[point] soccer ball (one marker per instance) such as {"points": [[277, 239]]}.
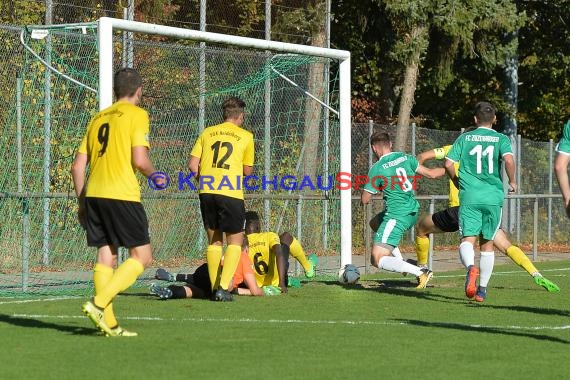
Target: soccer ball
{"points": [[349, 274]]}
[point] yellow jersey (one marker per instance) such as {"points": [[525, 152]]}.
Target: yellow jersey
{"points": [[223, 150], [264, 261], [440, 154], [111, 134]]}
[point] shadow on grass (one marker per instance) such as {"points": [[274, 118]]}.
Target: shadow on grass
{"points": [[407, 289], [36, 323], [482, 329], [527, 309]]}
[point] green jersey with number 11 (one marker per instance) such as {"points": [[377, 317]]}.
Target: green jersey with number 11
{"points": [[481, 153]]}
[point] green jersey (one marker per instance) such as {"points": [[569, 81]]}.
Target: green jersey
{"points": [[481, 153], [394, 174], [563, 145]]}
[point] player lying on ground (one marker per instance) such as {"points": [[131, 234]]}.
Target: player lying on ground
{"points": [[198, 285], [448, 221], [265, 280]]}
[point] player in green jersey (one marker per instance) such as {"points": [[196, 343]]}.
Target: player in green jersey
{"points": [[395, 175], [481, 193]]}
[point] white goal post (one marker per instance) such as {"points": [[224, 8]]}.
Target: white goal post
{"points": [[106, 26]]}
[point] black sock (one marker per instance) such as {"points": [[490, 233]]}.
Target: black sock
{"points": [[177, 291]]}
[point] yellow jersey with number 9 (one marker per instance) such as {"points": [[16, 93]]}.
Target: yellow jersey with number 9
{"points": [[223, 150], [111, 135]]}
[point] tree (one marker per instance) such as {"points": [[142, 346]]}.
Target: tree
{"points": [[463, 23]]}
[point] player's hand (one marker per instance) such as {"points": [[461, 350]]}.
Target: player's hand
{"points": [[513, 187], [81, 217], [270, 290], [568, 208]]}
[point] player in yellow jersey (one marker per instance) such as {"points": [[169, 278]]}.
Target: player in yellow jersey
{"points": [[115, 146], [221, 156], [448, 221], [270, 260], [266, 249]]}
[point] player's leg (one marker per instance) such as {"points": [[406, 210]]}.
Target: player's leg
{"points": [[424, 227], [386, 239], [561, 163], [296, 250], [102, 274], [503, 244], [209, 211], [470, 222], [491, 224], [232, 221], [125, 224]]}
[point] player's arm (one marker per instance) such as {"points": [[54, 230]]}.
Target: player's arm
{"points": [[425, 156], [247, 170], [510, 169], [78, 175], [142, 163], [365, 197], [450, 169], [430, 172], [78, 172], [252, 288]]}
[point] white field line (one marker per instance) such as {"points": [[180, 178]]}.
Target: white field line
{"points": [[52, 299], [287, 321], [514, 272]]}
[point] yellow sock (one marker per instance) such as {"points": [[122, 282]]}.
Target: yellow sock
{"points": [[102, 274], [213, 258], [231, 261], [518, 256], [296, 250], [422, 249], [125, 275]]}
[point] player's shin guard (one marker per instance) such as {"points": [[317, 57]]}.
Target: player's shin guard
{"points": [[467, 254], [486, 265], [213, 258], [125, 275], [231, 261], [422, 249], [394, 264], [102, 274], [518, 256], [296, 250]]}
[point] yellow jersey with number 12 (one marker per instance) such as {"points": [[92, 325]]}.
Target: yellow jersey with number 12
{"points": [[111, 134], [223, 150]]}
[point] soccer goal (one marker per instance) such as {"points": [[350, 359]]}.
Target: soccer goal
{"points": [[298, 107]]}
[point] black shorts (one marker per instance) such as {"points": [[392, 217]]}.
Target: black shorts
{"points": [[222, 213], [201, 280], [447, 220], [115, 222]]}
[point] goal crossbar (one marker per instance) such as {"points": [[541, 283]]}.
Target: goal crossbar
{"points": [[105, 38]]}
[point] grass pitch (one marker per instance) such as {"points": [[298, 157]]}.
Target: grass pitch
{"points": [[380, 328]]}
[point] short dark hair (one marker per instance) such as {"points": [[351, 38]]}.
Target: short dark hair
{"points": [[232, 107], [126, 82], [381, 138], [484, 112], [251, 216]]}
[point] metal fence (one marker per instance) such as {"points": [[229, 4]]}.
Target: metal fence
{"points": [[534, 215]]}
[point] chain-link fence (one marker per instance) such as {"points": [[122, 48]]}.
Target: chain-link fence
{"points": [[39, 209]]}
